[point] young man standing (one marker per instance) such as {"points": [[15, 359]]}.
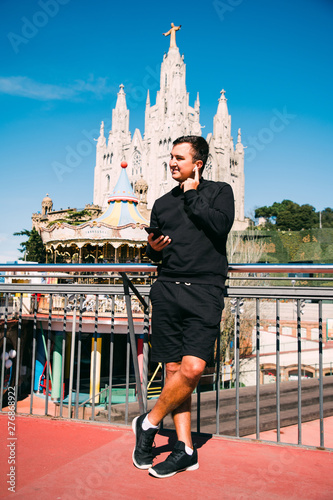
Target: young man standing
{"points": [[187, 298]]}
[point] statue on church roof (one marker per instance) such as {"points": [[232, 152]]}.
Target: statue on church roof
{"points": [[172, 33]]}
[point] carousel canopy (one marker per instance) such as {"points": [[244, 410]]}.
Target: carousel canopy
{"points": [[122, 209], [120, 223]]}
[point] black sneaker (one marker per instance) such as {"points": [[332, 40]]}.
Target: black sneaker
{"points": [[143, 451], [177, 461]]}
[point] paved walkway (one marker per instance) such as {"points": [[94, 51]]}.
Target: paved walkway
{"points": [[310, 434], [59, 459]]}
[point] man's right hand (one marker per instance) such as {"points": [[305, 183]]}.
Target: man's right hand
{"points": [[160, 243]]}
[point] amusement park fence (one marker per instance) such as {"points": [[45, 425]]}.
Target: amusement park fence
{"points": [[81, 293]]}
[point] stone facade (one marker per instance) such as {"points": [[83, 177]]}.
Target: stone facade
{"points": [[148, 156], [42, 219]]}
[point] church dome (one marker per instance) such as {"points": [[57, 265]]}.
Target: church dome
{"points": [[141, 184], [47, 199], [47, 205]]}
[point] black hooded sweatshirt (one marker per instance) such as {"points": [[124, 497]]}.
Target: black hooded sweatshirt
{"points": [[198, 222]]}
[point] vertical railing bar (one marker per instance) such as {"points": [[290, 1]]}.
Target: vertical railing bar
{"points": [[237, 366], [299, 371], [4, 345], [321, 389], [78, 364], [132, 340], [217, 388], [33, 361], [128, 352], [18, 350], [198, 406], [71, 368], [257, 368], [145, 355], [278, 413], [48, 356], [111, 356], [63, 354], [94, 360]]}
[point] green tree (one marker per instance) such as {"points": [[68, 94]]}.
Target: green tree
{"points": [[327, 217], [33, 248], [288, 215], [73, 217]]}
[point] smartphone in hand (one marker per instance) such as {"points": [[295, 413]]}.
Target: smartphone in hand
{"points": [[155, 230]]}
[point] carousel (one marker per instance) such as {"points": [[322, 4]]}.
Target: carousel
{"points": [[116, 236]]}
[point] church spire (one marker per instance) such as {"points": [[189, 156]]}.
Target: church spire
{"points": [[222, 109], [121, 99], [101, 140], [222, 120], [197, 104], [239, 145], [120, 116]]}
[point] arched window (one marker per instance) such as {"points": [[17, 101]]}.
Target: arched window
{"points": [[136, 163], [165, 171], [107, 178]]}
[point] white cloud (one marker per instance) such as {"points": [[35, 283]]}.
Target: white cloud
{"points": [[26, 87]]}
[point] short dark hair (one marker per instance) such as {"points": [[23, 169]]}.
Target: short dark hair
{"points": [[199, 146]]}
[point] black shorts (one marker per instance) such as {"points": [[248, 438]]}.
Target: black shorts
{"points": [[185, 320]]}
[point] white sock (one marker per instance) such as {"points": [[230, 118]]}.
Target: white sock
{"points": [[146, 424], [188, 450]]}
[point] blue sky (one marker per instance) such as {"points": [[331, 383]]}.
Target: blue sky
{"points": [[62, 62]]}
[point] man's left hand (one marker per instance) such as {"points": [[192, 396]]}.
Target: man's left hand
{"points": [[191, 183]]}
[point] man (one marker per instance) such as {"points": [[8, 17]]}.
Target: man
{"points": [[187, 298]]}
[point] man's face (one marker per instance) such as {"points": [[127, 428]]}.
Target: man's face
{"points": [[181, 162]]}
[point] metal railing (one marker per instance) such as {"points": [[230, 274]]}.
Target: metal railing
{"points": [[66, 326]]}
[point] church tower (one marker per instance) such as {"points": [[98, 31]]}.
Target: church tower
{"points": [[109, 155], [170, 117]]}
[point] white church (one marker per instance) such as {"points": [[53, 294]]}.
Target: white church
{"points": [[148, 155]]}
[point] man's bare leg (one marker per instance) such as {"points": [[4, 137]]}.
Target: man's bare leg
{"points": [[182, 420], [182, 378]]}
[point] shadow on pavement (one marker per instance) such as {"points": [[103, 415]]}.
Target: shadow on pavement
{"points": [[198, 439]]}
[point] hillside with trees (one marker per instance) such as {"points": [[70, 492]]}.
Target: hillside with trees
{"points": [[289, 216]]}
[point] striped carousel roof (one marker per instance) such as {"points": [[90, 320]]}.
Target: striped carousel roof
{"points": [[122, 209]]}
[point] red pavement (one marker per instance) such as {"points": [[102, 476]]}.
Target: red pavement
{"points": [[310, 434], [59, 459]]}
